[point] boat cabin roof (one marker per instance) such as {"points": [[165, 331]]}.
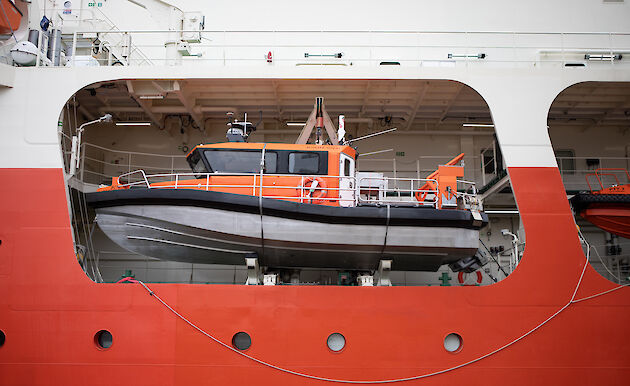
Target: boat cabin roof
{"points": [[334, 149], [280, 158]]}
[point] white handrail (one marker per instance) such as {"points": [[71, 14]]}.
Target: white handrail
{"points": [[404, 196], [573, 177], [550, 47], [399, 32], [144, 176]]}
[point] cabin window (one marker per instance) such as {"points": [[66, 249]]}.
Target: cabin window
{"points": [[303, 163], [240, 161], [346, 167], [199, 166], [196, 163]]}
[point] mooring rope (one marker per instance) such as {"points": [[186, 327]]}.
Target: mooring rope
{"points": [[393, 380]]}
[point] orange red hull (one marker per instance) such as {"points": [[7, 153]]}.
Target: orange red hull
{"points": [[50, 311], [608, 211], [613, 219]]}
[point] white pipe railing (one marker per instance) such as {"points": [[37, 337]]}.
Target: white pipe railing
{"points": [[104, 35], [365, 47], [97, 169], [360, 194], [380, 186]]}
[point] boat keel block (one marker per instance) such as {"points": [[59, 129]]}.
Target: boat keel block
{"points": [[469, 264], [253, 269], [382, 276]]}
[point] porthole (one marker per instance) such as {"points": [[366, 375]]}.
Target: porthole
{"points": [[103, 339], [241, 340], [453, 342], [336, 342], [2, 338]]}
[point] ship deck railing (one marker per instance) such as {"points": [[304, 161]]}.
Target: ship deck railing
{"points": [[99, 164], [366, 48]]}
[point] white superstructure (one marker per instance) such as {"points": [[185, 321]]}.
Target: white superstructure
{"points": [[168, 58]]}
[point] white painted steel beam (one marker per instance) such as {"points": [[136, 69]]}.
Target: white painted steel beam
{"points": [[519, 99], [450, 103], [189, 103], [502, 183], [419, 100], [145, 105]]}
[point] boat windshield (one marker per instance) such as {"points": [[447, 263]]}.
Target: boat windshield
{"points": [[199, 167], [196, 163], [240, 161]]}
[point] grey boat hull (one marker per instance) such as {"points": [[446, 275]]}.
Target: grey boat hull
{"points": [[190, 231]]}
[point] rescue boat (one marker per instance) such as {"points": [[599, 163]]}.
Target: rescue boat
{"points": [[12, 17], [609, 206], [293, 206]]}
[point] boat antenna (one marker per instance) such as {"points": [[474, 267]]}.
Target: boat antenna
{"points": [[245, 126], [375, 152], [251, 126], [319, 116], [372, 135], [341, 132], [259, 121]]}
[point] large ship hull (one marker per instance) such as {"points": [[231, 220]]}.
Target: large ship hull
{"points": [[221, 228], [553, 321], [50, 312]]}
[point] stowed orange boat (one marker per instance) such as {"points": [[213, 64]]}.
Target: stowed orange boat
{"points": [[293, 206], [609, 207]]}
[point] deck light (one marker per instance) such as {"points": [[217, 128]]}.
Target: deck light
{"points": [[133, 123], [602, 57], [478, 56], [158, 96], [296, 123], [514, 258], [76, 143], [477, 125]]}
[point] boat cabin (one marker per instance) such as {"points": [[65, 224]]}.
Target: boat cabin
{"points": [[305, 173], [280, 159], [317, 174]]}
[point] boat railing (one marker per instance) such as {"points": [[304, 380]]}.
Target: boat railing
{"points": [[100, 164], [141, 172], [613, 174], [256, 186], [346, 191], [467, 192], [377, 190], [417, 167]]}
